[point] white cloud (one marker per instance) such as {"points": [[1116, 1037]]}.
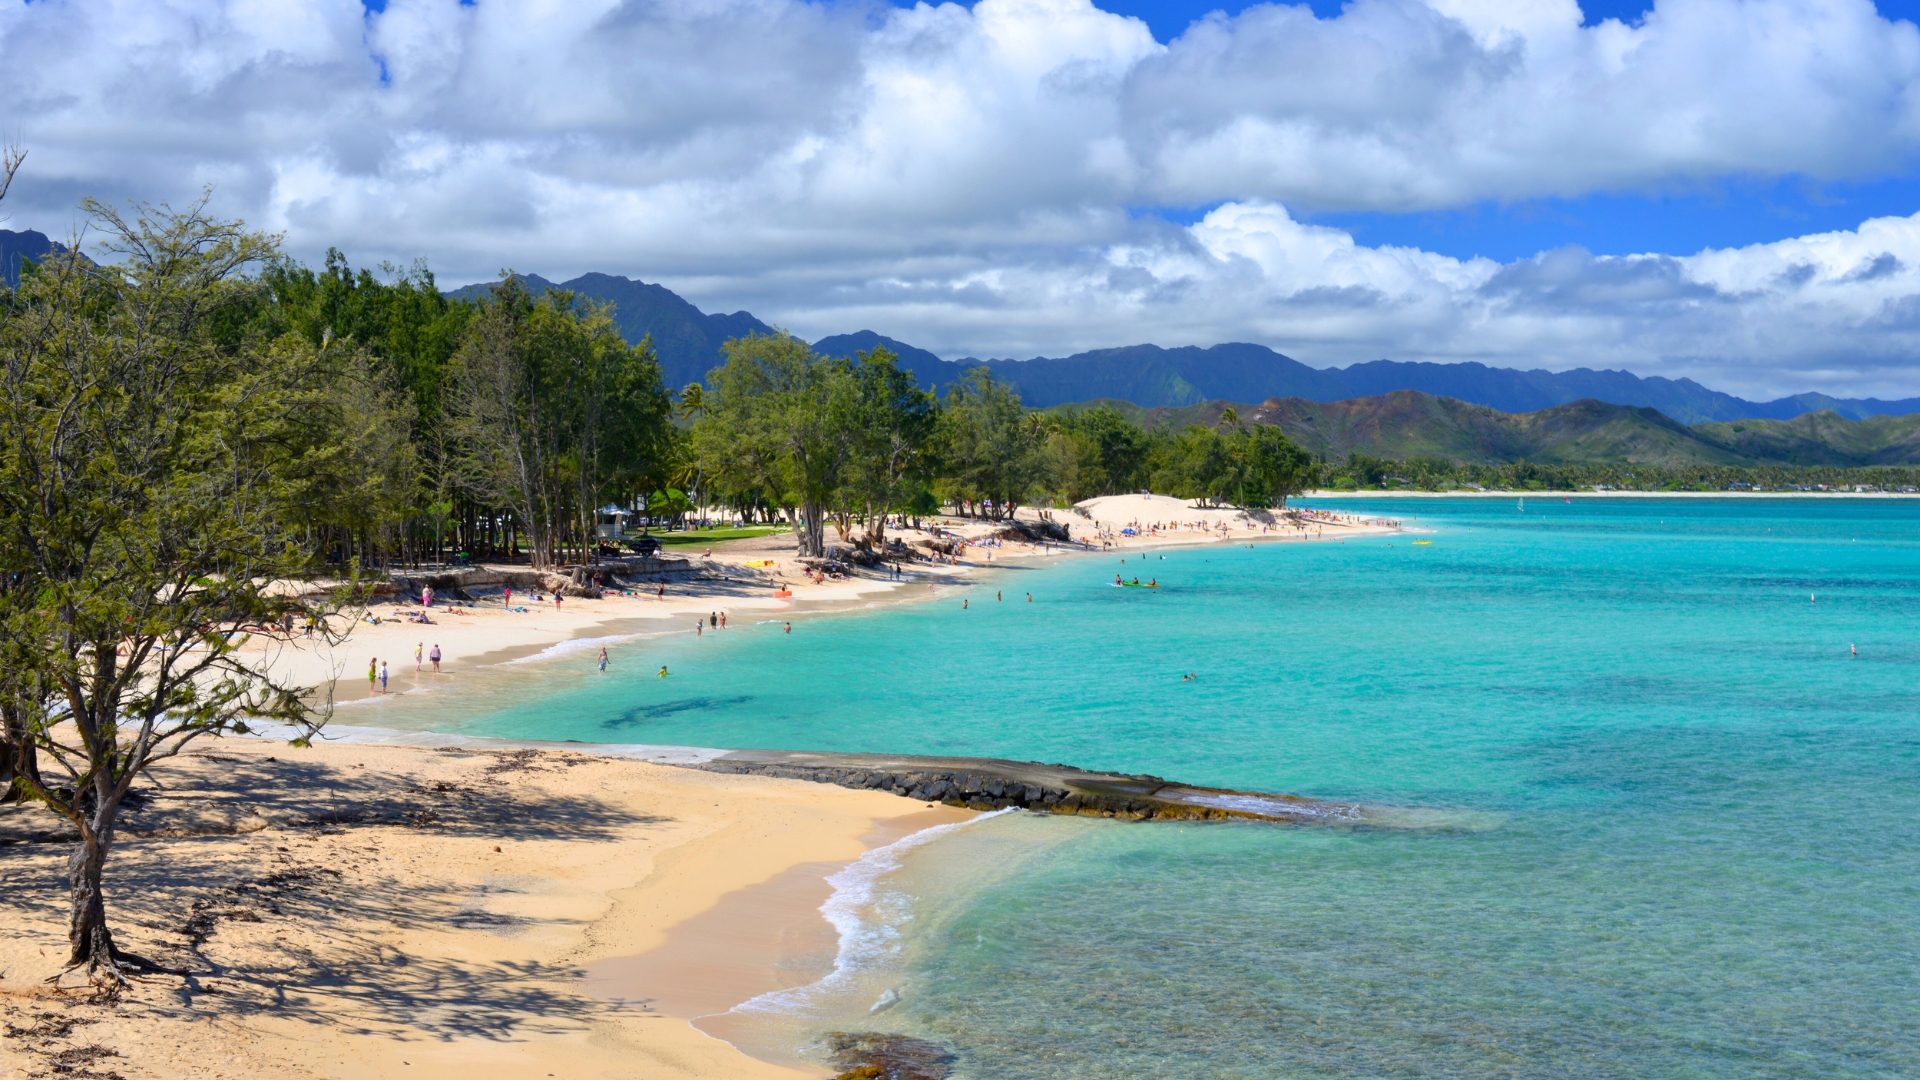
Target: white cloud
{"points": [[970, 179]]}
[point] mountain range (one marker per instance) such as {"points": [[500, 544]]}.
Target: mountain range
{"points": [[1409, 424], [688, 342], [18, 247]]}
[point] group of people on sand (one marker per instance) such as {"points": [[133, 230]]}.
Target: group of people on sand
{"points": [[377, 668]]}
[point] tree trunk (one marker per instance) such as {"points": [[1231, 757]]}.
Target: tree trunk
{"points": [[812, 530], [92, 942]]}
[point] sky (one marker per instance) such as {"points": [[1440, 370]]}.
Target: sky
{"points": [[1726, 190]]}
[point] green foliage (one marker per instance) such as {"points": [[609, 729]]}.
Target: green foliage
{"points": [[781, 420], [156, 463], [549, 412], [990, 446]]}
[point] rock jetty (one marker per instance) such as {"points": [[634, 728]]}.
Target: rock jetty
{"points": [[994, 783]]}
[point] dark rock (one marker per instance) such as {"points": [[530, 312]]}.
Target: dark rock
{"points": [[894, 1057]]}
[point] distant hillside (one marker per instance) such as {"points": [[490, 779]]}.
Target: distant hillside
{"points": [[689, 343], [16, 247], [932, 371], [688, 340], [1822, 438], [1409, 424]]}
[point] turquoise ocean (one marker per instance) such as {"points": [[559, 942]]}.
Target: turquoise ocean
{"points": [[1663, 822]]}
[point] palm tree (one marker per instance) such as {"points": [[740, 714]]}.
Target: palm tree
{"points": [[1229, 419], [693, 400]]}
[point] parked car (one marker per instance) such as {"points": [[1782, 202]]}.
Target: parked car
{"points": [[643, 545]]}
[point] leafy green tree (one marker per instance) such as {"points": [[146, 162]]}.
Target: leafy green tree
{"points": [[548, 409], [896, 427], [990, 449], [1276, 467], [148, 460], [778, 413]]}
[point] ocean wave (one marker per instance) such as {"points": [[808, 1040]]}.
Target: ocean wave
{"points": [[574, 645], [867, 920]]}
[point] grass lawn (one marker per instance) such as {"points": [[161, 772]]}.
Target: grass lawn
{"points": [[714, 536]]}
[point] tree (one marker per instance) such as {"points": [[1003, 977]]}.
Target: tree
{"points": [[548, 409], [896, 425], [146, 465], [1277, 468], [775, 405], [990, 449]]}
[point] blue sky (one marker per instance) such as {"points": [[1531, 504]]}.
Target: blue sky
{"points": [[1729, 211]]}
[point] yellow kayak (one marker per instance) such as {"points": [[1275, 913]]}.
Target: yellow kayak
{"points": [[1429, 543]]}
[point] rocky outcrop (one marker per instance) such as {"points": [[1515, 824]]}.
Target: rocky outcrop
{"points": [[993, 784], [872, 1055], [1035, 532]]}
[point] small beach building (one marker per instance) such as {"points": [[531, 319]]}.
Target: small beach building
{"points": [[611, 522]]}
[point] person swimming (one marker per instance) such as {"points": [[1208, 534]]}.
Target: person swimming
{"points": [[663, 672]]}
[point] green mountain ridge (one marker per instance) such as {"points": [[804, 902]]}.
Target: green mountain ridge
{"points": [[1408, 424]]}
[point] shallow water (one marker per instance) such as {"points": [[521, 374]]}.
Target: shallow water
{"points": [[1697, 841]]}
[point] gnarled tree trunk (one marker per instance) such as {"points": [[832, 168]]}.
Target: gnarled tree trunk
{"points": [[87, 933]]}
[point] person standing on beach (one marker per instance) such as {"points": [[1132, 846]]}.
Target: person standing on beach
{"points": [[699, 627], [426, 597], [418, 647], [603, 658], [383, 678], [663, 590], [435, 657], [556, 603], [723, 620], [373, 675], [506, 597], [713, 618]]}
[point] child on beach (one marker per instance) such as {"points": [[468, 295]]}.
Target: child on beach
{"points": [[417, 647], [383, 678]]}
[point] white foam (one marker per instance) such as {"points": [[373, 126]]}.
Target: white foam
{"points": [[1281, 808], [574, 645], [868, 926]]}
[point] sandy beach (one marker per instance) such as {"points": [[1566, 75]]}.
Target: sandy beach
{"points": [[481, 910], [740, 578], [370, 911]]}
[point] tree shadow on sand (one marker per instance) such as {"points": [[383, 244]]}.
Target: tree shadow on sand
{"points": [[282, 931]]}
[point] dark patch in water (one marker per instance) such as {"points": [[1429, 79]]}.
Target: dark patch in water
{"points": [[871, 1055], [640, 714]]}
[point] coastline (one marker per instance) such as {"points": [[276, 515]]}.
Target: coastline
{"points": [[404, 903], [486, 635], [354, 909]]}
